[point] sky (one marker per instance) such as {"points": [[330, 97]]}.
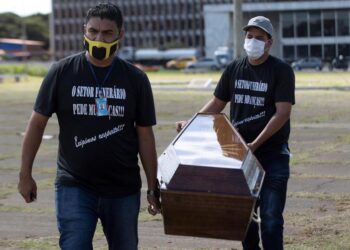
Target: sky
{"points": [[25, 7]]}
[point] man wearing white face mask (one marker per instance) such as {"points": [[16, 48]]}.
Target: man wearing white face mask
{"points": [[105, 112], [260, 89]]}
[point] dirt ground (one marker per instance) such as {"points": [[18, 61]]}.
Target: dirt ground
{"points": [[317, 214]]}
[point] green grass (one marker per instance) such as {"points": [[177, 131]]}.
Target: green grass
{"points": [[322, 79], [32, 70], [320, 123], [328, 109], [321, 196], [7, 189], [26, 209], [47, 243], [303, 79], [145, 216]]}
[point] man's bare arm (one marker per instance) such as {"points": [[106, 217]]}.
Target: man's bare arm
{"points": [[31, 143], [215, 105], [148, 155], [283, 111]]}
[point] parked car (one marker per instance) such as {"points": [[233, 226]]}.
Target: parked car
{"points": [[180, 63], [308, 63], [203, 64], [339, 63]]}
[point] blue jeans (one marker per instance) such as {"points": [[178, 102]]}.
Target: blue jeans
{"points": [[77, 213], [271, 202]]}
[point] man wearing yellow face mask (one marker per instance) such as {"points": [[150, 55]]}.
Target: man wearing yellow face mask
{"points": [[101, 44], [105, 113]]}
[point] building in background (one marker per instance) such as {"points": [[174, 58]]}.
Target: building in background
{"points": [[302, 28], [21, 49], [148, 24]]}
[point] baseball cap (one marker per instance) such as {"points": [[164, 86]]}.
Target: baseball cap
{"points": [[260, 22]]}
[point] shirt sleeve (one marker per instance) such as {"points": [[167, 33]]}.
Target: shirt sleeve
{"points": [[222, 90], [285, 84], [145, 110], [46, 101]]}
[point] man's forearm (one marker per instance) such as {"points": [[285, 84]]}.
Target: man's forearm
{"points": [[149, 163], [31, 142], [148, 156], [215, 105], [271, 128], [275, 124]]}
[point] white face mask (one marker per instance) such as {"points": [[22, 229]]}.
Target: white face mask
{"points": [[254, 48]]}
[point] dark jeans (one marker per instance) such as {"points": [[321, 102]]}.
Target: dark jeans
{"points": [[271, 203], [77, 213]]}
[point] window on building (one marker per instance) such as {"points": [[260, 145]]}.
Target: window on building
{"points": [[183, 24], [190, 41], [302, 51], [56, 13], [197, 39], [316, 51], [289, 52], [169, 38], [155, 25], [63, 29], [126, 25], [315, 23], [287, 25], [329, 52], [190, 7], [133, 42], [163, 8], [344, 49], [161, 24], [329, 23], [140, 26], [301, 21], [198, 24], [343, 23]]}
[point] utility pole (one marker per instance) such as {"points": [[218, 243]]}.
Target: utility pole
{"points": [[52, 46], [237, 28], [24, 45], [24, 42]]}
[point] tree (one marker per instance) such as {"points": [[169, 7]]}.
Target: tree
{"points": [[37, 27], [10, 25]]}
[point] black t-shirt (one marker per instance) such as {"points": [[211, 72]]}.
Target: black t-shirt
{"points": [[253, 92], [98, 153]]}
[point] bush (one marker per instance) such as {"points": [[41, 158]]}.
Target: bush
{"points": [[36, 70], [32, 70]]}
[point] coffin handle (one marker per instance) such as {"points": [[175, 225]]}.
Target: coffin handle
{"points": [[256, 218]]}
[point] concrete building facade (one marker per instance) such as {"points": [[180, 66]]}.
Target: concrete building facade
{"points": [[302, 28], [147, 24]]}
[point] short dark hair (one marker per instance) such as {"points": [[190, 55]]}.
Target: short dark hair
{"points": [[106, 11]]}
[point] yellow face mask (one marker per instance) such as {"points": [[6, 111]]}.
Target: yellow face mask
{"points": [[100, 50]]}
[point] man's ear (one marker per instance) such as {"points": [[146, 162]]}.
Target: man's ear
{"points": [[121, 34], [270, 42], [84, 29]]}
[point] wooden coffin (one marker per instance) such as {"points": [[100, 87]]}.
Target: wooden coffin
{"points": [[209, 180]]}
